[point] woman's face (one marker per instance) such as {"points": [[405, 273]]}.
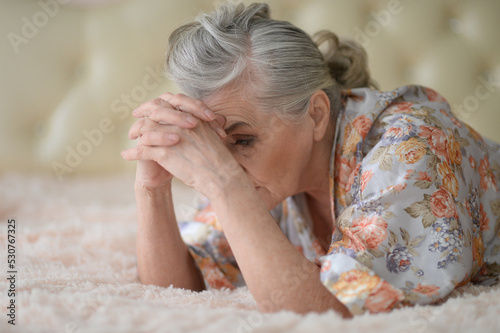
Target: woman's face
{"points": [[274, 152]]}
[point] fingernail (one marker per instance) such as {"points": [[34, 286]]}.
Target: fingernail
{"points": [[135, 113], [123, 153], [210, 114], [220, 119], [221, 132], [191, 120]]}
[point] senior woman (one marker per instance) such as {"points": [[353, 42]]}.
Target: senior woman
{"points": [[323, 192]]}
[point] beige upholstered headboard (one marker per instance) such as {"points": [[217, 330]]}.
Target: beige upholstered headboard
{"points": [[72, 71]]}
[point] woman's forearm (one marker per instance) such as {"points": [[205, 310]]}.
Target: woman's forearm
{"points": [[278, 276], [162, 256]]}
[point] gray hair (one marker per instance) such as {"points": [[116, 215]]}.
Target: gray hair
{"points": [[278, 63]]}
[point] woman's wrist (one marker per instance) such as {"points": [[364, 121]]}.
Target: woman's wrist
{"points": [[238, 196], [227, 185], [160, 192]]}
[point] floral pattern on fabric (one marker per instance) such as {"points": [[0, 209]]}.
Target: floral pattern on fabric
{"points": [[416, 204], [210, 250]]}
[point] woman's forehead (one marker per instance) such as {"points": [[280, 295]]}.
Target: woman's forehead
{"points": [[231, 100], [236, 108], [241, 120]]}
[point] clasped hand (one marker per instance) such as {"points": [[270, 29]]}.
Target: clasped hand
{"points": [[178, 136]]}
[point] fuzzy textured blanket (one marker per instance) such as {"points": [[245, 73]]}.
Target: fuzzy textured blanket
{"points": [[76, 272]]}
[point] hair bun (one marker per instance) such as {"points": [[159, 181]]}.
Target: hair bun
{"points": [[346, 60], [233, 15]]}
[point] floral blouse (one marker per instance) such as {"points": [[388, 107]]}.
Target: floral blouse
{"points": [[416, 204]]}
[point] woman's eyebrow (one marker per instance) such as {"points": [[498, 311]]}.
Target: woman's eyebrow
{"points": [[235, 126]]}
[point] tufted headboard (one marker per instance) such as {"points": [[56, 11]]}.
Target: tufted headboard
{"points": [[72, 71]]}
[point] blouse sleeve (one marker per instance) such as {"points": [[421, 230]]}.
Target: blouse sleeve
{"points": [[406, 235], [210, 250]]}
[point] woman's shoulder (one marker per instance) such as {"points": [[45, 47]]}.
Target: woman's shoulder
{"points": [[406, 117], [375, 101], [367, 110]]}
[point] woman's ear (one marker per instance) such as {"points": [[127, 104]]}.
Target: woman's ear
{"points": [[319, 111]]}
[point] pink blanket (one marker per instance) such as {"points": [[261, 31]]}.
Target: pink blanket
{"points": [[76, 272]]}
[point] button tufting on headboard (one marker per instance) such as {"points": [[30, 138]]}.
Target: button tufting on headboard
{"points": [[68, 71]]}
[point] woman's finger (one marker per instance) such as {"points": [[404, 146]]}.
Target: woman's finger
{"points": [[195, 107], [160, 111], [158, 138], [145, 109], [144, 153], [135, 130], [189, 105], [180, 110], [218, 125], [166, 116], [142, 126], [151, 133]]}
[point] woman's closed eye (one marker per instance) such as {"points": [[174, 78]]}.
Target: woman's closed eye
{"points": [[243, 141]]}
